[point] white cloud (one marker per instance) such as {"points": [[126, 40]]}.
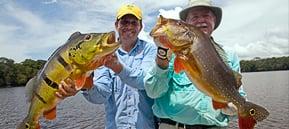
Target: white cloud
{"points": [[252, 28], [26, 18], [50, 2], [256, 28], [171, 13]]}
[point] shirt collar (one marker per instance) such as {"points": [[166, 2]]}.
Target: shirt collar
{"points": [[123, 52]]}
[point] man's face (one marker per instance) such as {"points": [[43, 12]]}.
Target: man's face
{"points": [[202, 18], [128, 27]]}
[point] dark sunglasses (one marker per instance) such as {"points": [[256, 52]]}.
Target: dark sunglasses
{"points": [[127, 22]]}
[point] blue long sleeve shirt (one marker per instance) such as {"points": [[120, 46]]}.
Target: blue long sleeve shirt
{"points": [[126, 102], [178, 99]]}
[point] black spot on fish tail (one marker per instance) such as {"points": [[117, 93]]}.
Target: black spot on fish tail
{"points": [[39, 97], [63, 63], [49, 82]]}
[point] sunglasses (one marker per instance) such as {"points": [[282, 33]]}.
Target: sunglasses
{"points": [[129, 22]]}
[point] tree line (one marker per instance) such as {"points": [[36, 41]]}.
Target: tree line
{"points": [[17, 74], [268, 64]]}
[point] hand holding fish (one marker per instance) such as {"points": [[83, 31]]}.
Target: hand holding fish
{"points": [[66, 89], [163, 55], [230, 110], [111, 61]]}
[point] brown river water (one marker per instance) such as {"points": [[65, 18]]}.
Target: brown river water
{"points": [[269, 89]]}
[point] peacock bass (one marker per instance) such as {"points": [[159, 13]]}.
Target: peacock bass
{"points": [[205, 65], [76, 59]]}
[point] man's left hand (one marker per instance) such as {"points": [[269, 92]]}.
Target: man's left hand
{"points": [[230, 110]]}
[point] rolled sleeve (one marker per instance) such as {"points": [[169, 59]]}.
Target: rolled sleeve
{"points": [[133, 76], [156, 82]]}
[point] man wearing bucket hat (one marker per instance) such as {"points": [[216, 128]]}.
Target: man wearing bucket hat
{"points": [[119, 84], [178, 103]]}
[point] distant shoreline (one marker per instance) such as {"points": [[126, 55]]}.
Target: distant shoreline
{"points": [[242, 72], [18, 74]]}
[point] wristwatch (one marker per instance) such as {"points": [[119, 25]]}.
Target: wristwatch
{"points": [[162, 53]]}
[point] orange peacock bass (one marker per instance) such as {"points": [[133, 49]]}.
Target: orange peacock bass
{"points": [[205, 65]]}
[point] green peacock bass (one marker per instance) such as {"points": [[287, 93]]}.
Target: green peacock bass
{"points": [[76, 59], [203, 62]]}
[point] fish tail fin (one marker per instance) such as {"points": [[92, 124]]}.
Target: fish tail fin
{"points": [[246, 122], [25, 124], [249, 114]]}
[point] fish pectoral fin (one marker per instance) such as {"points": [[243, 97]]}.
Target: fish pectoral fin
{"points": [[38, 126], [80, 82], [178, 65], [51, 114], [219, 105], [238, 78], [88, 82]]}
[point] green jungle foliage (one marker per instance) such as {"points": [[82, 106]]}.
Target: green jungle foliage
{"points": [[268, 64], [17, 74]]}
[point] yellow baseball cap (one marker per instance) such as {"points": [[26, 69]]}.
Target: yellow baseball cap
{"points": [[129, 9]]}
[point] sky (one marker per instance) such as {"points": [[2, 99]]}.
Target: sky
{"points": [[33, 29]]}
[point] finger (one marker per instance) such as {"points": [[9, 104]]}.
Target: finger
{"points": [[62, 90], [69, 91], [70, 82], [72, 88], [58, 95]]}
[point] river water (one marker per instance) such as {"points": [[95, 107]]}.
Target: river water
{"points": [[269, 89]]}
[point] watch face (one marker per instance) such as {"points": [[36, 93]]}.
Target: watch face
{"points": [[162, 51]]}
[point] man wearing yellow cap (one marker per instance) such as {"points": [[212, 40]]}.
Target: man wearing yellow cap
{"points": [[119, 83]]}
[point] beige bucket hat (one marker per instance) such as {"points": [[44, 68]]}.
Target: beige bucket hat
{"points": [[202, 3]]}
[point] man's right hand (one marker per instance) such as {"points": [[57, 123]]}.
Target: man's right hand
{"points": [[66, 89]]}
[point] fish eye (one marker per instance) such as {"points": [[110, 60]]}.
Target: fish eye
{"points": [[27, 126], [87, 37], [252, 112]]}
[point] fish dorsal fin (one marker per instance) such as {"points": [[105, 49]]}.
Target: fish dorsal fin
{"points": [[224, 58], [29, 88], [238, 78], [221, 52], [75, 34]]}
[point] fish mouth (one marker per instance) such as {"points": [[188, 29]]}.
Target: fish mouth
{"points": [[159, 29]]}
